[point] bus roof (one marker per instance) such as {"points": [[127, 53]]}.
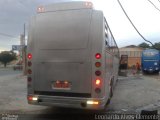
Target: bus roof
{"points": [[65, 6]]}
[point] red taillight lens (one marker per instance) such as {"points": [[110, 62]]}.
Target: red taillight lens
{"points": [[29, 56], [98, 82], [30, 98], [98, 64], [29, 79], [29, 71], [29, 64], [98, 56], [98, 73], [97, 90]]}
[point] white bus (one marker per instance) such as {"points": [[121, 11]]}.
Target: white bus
{"points": [[73, 58]]}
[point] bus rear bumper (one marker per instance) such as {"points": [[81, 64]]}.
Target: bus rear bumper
{"points": [[152, 70], [69, 102]]}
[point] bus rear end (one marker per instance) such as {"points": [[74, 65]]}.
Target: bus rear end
{"points": [[150, 61], [60, 58]]}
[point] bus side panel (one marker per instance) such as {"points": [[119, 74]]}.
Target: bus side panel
{"points": [[115, 69], [98, 46], [30, 49], [109, 72]]}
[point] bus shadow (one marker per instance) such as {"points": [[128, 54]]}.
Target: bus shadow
{"points": [[68, 114], [151, 74]]}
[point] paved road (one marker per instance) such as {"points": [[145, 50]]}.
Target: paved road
{"points": [[131, 95], [8, 71], [155, 76]]}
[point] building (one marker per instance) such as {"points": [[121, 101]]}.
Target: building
{"points": [[134, 54]]}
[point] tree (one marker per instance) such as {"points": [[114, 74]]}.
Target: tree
{"points": [[7, 56], [144, 45], [157, 46]]}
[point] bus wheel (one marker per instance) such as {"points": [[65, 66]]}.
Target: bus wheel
{"points": [[108, 101], [111, 89], [156, 72], [144, 72]]}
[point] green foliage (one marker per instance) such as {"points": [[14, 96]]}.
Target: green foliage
{"points": [[7, 56], [157, 46], [144, 45]]}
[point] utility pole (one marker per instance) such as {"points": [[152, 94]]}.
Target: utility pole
{"points": [[24, 52], [20, 50]]}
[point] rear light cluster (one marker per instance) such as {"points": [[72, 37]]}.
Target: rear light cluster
{"points": [[32, 98], [98, 72], [29, 71]]}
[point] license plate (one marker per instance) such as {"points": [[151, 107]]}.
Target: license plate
{"points": [[61, 85]]}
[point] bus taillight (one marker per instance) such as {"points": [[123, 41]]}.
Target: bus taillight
{"points": [[98, 82], [98, 73], [98, 64], [29, 79], [32, 98], [29, 56], [29, 71], [29, 64], [98, 55], [97, 90]]}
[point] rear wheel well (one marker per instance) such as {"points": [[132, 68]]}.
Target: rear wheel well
{"points": [[110, 91]]}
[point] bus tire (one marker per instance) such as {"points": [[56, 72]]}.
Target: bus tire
{"points": [[108, 101], [156, 72], [111, 91], [144, 72]]}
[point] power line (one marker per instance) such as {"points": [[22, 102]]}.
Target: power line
{"points": [[133, 24], [7, 35], [154, 5]]}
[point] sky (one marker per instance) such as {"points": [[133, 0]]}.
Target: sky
{"points": [[14, 13]]}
